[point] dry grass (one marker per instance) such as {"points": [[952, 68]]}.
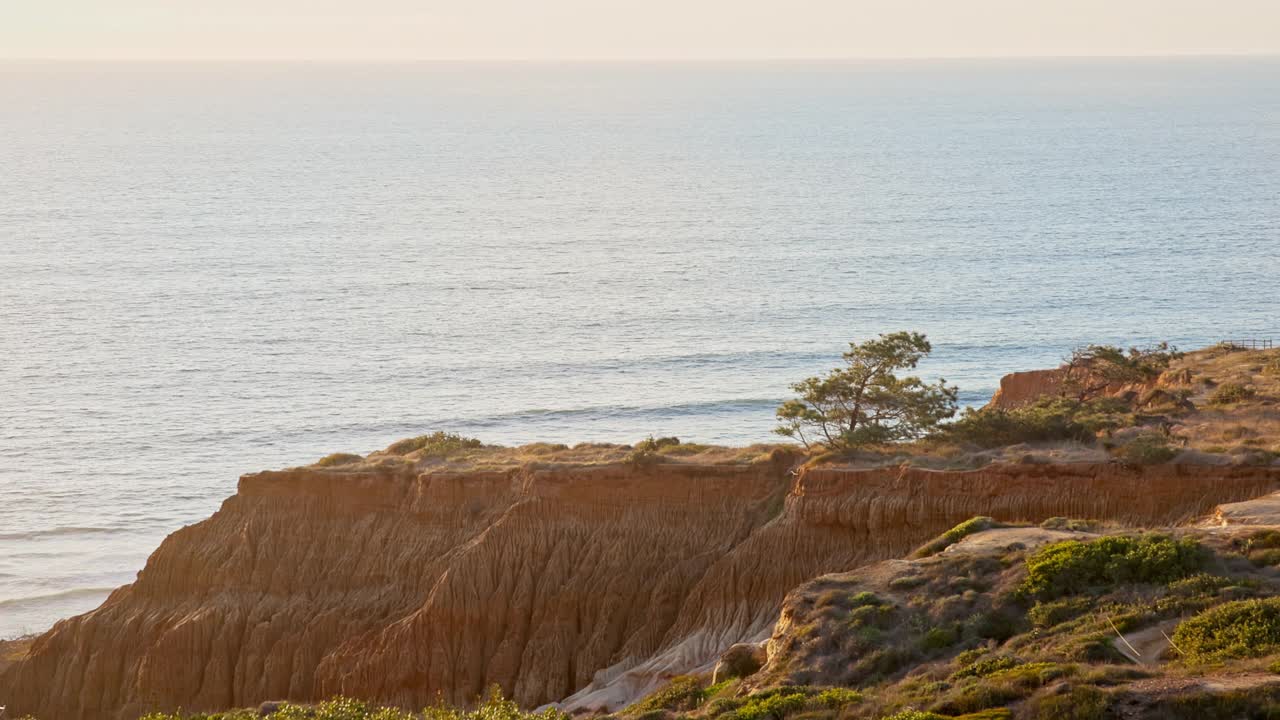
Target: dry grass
{"points": [[497, 457], [1243, 432], [14, 650], [1250, 427]]}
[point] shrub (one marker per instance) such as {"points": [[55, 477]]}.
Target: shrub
{"points": [[985, 667], [770, 705], [1072, 567], [907, 582], [1046, 615], [835, 698], [939, 638], [683, 693], [913, 714], [493, 707], [1070, 524], [435, 444], [1079, 703], [1272, 367], [955, 535], [1228, 393], [1251, 703], [1148, 449], [337, 459], [1239, 629], [1050, 419], [652, 444]]}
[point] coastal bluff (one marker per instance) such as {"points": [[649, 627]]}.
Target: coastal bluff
{"points": [[587, 584]]}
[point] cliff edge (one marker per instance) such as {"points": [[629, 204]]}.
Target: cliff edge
{"points": [[584, 583]]}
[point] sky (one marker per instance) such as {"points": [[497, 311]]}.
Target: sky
{"points": [[630, 29]]}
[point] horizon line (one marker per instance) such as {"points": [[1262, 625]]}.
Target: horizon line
{"points": [[639, 59]]}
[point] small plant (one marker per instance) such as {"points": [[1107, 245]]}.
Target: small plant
{"points": [[337, 459], [1047, 615], [1272, 368], [835, 698], [1148, 449], [652, 444], [1078, 703], [913, 714], [1230, 393], [955, 535], [493, 707], [437, 444], [985, 667], [682, 694]]}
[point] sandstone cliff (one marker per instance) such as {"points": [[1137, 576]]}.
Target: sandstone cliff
{"points": [[590, 583]]}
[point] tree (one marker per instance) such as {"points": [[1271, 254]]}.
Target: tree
{"points": [[1093, 370], [865, 402]]}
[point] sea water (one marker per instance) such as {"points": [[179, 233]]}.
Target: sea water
{"points": [[207, 270]]}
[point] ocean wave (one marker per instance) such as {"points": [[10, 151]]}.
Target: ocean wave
{"points": [[58, 532], [50, 598]]}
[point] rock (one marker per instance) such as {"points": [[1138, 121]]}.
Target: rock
{"points": [[739, 661]]}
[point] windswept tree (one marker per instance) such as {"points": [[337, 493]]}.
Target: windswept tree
{"points": [[1094, 370], [865, 402]]}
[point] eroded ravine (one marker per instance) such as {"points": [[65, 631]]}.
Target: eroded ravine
{"points": [[585, 581]]}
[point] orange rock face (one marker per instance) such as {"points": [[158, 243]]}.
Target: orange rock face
{"points": [[585, 584]]}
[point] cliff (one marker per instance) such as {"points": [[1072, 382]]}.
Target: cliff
{"points": [[587, 582]]}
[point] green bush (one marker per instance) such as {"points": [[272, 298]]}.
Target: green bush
{"points": [[1079, 703], [1239, 629], [1051, 419], [1072, 567], [939, 638], [1046, 615], [913, 714], [835, 698], [435, 444], [493, 707], [1228, 393], [985, 667], [337, 459], [683, 693], [1257, 703], [770, 705], [1148, 449], [652, 444], [955, 535]]}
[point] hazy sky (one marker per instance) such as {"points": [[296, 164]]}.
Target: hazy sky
{"points": [[630, 29]]}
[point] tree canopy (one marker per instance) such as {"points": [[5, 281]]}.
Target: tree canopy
{"points": [[865, 402]]}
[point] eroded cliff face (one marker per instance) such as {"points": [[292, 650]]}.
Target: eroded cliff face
{"points": [[591, 583]]}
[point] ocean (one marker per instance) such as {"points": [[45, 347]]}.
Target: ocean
{"points": [[213, 269]]}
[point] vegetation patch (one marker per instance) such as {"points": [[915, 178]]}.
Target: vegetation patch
{"points": [[683, 693], [1072, 567], [1149, 448], [1239, 629], [493, 707], [1050, 419], [437, 444], [955, 535], [1231, 393], [338, 459]]}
